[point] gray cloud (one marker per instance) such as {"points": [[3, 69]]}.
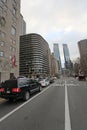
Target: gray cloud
{"points": [[62, 21]]}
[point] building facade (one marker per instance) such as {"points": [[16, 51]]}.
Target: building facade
{"points": [[68, 63], [83, 54], [9, 38], [49, 54], [22, 25], [57, 54], [34, 56], [54, 66]]}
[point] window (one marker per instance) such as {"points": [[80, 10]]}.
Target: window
{"points": [[14, 1], [4, 1], [10, 57], [2, 43], [2, 21], [14, 11], [1, 53], [5, 10], [14, 21], [1, 9], [14, 50], [4, 13], [2, 34], [11, 40], [14, 42], [10, 47], [13, 30]]}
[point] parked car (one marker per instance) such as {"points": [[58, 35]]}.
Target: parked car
{"points": [[75, 75], [44, 82], [55, 78], [82, 77], [19, 88], [51, 80]]}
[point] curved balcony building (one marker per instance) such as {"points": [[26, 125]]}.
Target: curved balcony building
{"points": [[34, 55]]}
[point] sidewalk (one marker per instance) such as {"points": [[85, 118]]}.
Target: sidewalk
{"points": [[1, 99]]}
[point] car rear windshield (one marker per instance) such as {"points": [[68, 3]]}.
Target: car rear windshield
{"points": [[10, 83]]}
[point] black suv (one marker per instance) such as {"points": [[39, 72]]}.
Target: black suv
{"points": [[19, 88]]}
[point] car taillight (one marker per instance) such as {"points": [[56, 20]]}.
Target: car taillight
{"points": [[16, 90], [2, 90]]}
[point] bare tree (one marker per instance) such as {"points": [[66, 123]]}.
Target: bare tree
{"points": [[84, 64], [76, 65]]}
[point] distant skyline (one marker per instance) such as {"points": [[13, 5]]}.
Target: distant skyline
{"points": [[56, 51], [57, 21]]}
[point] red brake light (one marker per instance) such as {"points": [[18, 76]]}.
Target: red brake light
{"points": [[17, 90], [2, 90]]}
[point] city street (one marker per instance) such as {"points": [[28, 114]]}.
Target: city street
{"points": [[60, 106]]}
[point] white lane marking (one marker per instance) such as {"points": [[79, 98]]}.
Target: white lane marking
{"points": [[10, 113], [72, 85], [67, 114]]}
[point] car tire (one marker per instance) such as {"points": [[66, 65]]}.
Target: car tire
{"points": [[26, 96]]}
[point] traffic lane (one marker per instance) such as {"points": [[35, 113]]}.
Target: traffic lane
{"points": [[71, 80], [45, 112], [77, 97], [6, 106]]}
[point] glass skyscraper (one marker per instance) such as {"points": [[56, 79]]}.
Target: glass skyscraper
{"points": [[57, 54], [66, 56]]}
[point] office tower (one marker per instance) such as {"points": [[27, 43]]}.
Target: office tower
{"points": [[66, 56], [57, 54]]}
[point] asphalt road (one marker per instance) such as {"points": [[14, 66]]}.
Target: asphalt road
{"points": [[49, 109], [77, 97]]}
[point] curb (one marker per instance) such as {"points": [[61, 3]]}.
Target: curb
{"points": [[1, 99]]}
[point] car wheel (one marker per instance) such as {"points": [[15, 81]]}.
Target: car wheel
{"points": [[26, 95]]}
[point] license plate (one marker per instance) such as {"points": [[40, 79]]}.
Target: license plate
{"points": [[8, 91]]}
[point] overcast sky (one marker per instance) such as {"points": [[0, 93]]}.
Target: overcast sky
{"points": [[57, 21]]}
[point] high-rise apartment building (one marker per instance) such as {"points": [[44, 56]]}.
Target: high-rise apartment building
{"points": [[83, 54], [66, 56], [82, 47], [22, 25], [9, 38], [57, 54], [34, 56], [54, 66]]}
